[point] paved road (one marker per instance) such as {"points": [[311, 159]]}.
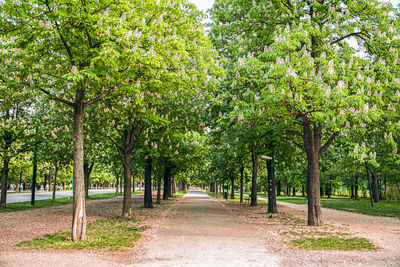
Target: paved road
{"points": [[199, 231], [23, 197]]}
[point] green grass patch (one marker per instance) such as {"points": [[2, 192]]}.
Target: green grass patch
{"points": [[180, 193], [332, 243], [211, 194], [59, 201], [109, 235], [363, 205]]}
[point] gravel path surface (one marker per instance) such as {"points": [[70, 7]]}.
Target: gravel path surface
{"points": [[200, 231]]}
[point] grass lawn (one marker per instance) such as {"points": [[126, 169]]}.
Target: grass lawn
{"points": [[110, 235], [59, 201], [211, 194], [332, 243], [180, 193], [383, 208]]}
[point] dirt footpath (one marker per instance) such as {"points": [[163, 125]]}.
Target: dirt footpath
{"points": [[200, 231]]}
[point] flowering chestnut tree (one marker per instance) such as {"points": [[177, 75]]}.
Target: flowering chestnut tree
{"points": [[331, 67], [80, 52]]}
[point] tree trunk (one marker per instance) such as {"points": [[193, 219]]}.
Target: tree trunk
{"points": [[294, 191], [173, 185], [232, 187], [45, 181], [148, 199], [159, 188], [4, 180], [303, 194], [375, 188], [167, 182], [254, 159], [50, 179], [369, 186], [312, 145], [87, 171], [356, 188], [117, 183], [329, 189], [271, 183], [79, 207], [278, 188], [352, 191], [241, 184], [55, 183], [127, 202]]}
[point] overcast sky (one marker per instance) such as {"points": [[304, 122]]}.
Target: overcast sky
{"points": [[204, 5]]}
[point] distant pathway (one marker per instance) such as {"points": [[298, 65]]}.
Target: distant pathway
{"points": [[199, 231], [24, 197]]}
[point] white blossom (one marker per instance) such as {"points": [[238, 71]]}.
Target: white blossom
{"points": [[331, 70], [74, 69], [291, 72]]}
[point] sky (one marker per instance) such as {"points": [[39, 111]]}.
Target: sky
{"points": [[207, 4], [204, 4]]}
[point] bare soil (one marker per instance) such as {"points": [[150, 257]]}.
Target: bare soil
{"points": [[196, 230]]}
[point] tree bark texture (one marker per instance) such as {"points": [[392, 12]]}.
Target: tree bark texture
{"points": [[117, 184], [312, 144], [375, 187], [87, 171], [79, 206], [232, 187], [167, 182], [148, 199], [127, 201], [369, 186], [254, 160], [159, 188], [173, 185], [271, 182], [356, 187], [241, 183], [50, 179], [4, 180], [53, 198]]}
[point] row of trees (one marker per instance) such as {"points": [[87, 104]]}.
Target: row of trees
{"points": [[120, 78], [313, 84]]}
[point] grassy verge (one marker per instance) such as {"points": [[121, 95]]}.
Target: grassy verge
{"points": [[180, 193], [211, 194], [109, 235], [333, 243], [383, 208], [59, 201], [297, 234]]}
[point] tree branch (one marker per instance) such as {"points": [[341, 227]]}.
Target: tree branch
{"points": [[52, 97], [347, 36], [67, 47], [328, 143], [99, 97]]}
